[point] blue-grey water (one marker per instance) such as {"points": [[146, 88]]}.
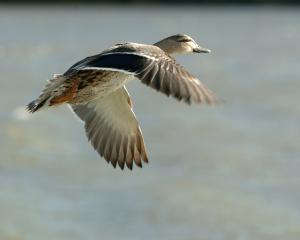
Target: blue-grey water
{"points": [[225, 172]]}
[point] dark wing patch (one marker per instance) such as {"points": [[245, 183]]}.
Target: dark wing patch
{"points": [[126, 62]]}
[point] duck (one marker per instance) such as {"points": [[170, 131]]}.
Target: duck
{"points": [[94, 88]]}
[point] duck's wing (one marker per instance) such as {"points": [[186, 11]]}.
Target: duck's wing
{"points": [[167, 76], [154, 68], [113, 130]]}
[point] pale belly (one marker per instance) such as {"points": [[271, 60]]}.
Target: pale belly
{"points": [[102, 87]]}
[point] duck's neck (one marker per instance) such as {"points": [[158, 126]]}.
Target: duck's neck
{"points": [[166, 47]]}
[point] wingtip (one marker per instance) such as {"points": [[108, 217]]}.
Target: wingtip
{"points": [[145, 158], [139, 164], [114, 164], [121, 165]]}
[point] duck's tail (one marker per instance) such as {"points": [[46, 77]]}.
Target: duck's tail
{"points": [[51, 90]]}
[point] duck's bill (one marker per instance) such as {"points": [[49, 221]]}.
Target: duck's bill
{"points": [[201, 50]]}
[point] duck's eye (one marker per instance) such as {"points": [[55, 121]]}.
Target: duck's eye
{"points": [[184, 40]]}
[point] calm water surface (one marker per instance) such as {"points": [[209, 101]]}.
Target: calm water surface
{"points": [[224, 172]]}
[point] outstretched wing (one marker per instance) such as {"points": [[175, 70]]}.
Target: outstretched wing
{"points": [[113, 130], [154, 68]]}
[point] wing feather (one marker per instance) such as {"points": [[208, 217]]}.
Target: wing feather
{"points": [[113, 130]]}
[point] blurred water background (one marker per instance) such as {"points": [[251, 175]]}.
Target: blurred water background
{"points": [[224, 172]]}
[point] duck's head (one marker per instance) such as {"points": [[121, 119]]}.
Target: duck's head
{"points": [[180, 44]]}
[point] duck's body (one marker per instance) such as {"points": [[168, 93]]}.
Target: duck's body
{"points": [[90, 84], [94, 88]]}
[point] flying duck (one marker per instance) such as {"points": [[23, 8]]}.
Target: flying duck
{"points": [[95, 90]]}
